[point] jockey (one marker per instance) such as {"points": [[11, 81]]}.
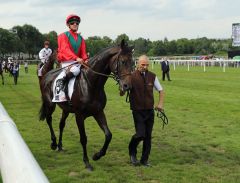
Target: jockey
{"points": [[71, 49], [44, 55]]}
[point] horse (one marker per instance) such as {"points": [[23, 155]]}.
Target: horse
{"points": [[1, 72], [88, 98]]}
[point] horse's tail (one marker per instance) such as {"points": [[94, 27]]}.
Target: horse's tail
{"points": [[43, 112], [50, 63]]}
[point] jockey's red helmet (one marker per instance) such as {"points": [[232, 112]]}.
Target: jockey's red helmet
{"points": [[73, 17]]}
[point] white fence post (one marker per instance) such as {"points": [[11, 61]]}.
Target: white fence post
{"points": [[224, 65], [17, 163]]}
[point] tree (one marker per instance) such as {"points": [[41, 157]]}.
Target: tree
{"points": [[95, 44], [22, 38], [8, 42], [158, 48], [120, 38], [141, 46], [52, 38], [33, 40]]}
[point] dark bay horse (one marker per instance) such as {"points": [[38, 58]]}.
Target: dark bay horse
{"points": [[1, 72], [88, 98]]}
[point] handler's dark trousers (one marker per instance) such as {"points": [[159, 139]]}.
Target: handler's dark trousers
{"points": [[143, 121]]}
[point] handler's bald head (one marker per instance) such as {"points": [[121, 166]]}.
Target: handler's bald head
{"points": [[143, 63]]}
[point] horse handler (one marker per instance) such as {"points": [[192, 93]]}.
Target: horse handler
{"points": [[142, 106]]}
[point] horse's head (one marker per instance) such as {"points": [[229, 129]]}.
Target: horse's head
{"points": [[121, 66]]}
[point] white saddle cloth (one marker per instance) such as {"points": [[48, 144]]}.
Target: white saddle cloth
{"points": [[40, 71], [58, 93]]}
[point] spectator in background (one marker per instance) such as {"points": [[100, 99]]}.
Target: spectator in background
{"points": [[15, 72], [165, 69], [26, 66]]}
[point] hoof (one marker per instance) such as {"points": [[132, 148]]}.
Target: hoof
{"points": [[60, 149], [96, 156], [53, 146], [89, 168]]}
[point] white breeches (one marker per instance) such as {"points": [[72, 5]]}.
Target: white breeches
{"points": [[75, 69]]}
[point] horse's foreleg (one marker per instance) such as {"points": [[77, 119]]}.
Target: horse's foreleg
{"points": [[102, 122], [83, 140], [61, 127]]}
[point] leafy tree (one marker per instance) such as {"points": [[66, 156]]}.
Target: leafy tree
{"points": [[28, 39], [52, 38], [8, 42], [121, 37], [141, 46], [158, 48], [95, 44], [33, 40], [21, 35]]}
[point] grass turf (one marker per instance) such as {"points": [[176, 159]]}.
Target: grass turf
{"points": [[200, 144]]}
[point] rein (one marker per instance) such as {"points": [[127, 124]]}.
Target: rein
{"points": [[87, 66], [98, 73], [127, 97], [114, 76], [162, 116]]}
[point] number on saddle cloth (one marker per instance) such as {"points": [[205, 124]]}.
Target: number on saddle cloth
{"points": [[60, 85], [59, 88]]}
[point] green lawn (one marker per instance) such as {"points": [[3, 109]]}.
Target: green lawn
{"points": [[200, 144]]}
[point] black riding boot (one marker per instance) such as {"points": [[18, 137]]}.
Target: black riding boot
{"points": [[66, 79]]}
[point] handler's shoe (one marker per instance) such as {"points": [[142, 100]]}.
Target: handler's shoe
{"points": [[145, 163], [134, 161]]}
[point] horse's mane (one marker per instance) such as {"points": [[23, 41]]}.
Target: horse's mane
{"points": [[101, 55]]}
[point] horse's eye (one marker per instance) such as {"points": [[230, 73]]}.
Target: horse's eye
{"points": [[124, 63]]}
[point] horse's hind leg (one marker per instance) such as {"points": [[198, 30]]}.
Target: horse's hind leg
{"points": [[61, 127], [102, 122], [83, 140], [2, 79]]}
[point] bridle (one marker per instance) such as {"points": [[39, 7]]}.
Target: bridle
{"points": [[115, 74]]}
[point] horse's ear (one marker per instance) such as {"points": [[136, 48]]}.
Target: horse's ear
{"points": [[123, 43]]}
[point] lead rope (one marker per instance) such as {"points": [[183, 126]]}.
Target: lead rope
{"points": [[161, 114], [127, 97]]}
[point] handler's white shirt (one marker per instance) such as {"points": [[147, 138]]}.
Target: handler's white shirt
{"points": [[157, 84], [44, 54]]}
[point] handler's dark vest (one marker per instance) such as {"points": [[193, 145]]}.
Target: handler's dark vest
{"points": [[75, 44], [141, 94]]}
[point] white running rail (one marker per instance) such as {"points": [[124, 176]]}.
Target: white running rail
{"points": [[17, 163]]}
